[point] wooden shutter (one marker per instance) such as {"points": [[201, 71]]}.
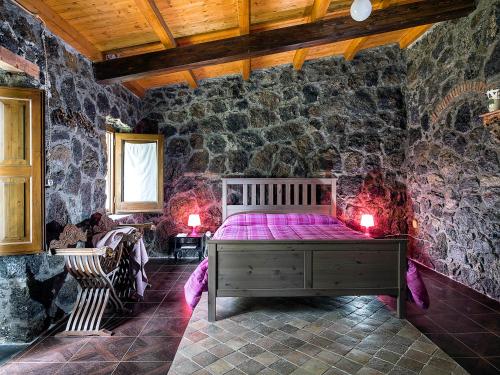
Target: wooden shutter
{"points": [[21, 171]]}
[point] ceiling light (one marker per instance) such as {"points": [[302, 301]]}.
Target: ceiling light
{"points": [[361, 9]]}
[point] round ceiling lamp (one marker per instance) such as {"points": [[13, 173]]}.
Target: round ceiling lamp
{"points": [[361, 9]]}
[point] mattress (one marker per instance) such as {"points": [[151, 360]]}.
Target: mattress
{"points": [[258, 226]]}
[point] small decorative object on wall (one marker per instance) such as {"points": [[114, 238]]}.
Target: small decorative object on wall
{"points": [[493, 100], [367, 222], [361, 9], [194, 221]]}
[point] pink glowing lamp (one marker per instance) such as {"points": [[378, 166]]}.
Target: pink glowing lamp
{"points": [[194, 221], [367, 222]]}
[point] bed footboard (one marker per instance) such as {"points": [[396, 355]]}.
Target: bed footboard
{"points": [[306, 268]]}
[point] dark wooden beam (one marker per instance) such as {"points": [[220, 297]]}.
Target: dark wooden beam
{"points": [[280, 40]]}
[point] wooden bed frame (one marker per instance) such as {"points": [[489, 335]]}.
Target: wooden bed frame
{"points": [[295, 268]]}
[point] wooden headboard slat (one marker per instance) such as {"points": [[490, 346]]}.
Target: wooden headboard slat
{"points": [[288, 197]]}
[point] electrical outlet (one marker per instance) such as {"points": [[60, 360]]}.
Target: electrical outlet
{"points": [[49, 182]]}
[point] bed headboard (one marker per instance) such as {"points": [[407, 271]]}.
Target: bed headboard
{"points": [[278, 195]]}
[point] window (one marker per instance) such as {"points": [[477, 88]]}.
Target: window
{"points": [[21, 171], [135, 173]]}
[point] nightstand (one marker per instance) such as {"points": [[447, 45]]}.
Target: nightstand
{"points": [[189, 243]]}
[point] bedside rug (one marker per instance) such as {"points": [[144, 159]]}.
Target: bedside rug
{"points": [[341, 335]]}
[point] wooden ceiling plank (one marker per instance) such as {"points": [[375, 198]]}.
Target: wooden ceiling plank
{"points": [[150, 11], [160, 27], [319, 9], [244, 26], [410, 36], [356, 44], [281, 40], [62, 28]]}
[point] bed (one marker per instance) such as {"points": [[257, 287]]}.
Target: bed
{"points": [[256, 253]]}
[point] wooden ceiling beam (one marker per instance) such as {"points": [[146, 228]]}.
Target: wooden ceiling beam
{"points": [[356, 44], [244, 26], [353, 48], [155, 19], [62, 28], [319, 9], [281, 40], [152, 14], [411, 35], [211, 36], [191, 79]]}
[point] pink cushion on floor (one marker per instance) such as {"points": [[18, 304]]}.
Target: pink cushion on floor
{"points": [[418, 291]]}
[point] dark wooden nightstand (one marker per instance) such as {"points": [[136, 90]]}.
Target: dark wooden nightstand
{"points": [[189, 243]]}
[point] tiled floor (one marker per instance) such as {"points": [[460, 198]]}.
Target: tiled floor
{"points": [[465, 324], [306, 336]]}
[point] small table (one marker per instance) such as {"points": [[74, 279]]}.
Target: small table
{"points": [[189, 243]]}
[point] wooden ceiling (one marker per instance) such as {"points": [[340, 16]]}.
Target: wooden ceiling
{"points": [[108, 29]]}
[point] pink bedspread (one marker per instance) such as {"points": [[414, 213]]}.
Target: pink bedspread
{"points": [[290, 227], [285, 227]]}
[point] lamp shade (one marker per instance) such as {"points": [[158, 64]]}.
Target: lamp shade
{"points": [[361, 9], [367, 220], [194, 220]]}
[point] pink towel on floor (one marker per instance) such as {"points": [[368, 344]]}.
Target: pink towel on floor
{"points": [[196, 284], [418, 291]]}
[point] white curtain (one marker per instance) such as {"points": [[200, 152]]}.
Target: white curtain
{"points": [[140, 172]]}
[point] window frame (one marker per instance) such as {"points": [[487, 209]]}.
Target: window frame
{"points": [[33, 171], [121, 207], [110, 174]]}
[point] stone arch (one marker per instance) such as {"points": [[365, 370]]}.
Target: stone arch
{"points": [[455, 93]]}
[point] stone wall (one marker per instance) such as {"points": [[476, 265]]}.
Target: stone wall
{"points": [[331, 117], [76, 108], [452, 160]]}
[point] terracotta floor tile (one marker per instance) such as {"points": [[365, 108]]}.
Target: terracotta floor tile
{"points": [[469, 306], [153, 349], [495, 361], [15, 368], [163, 280], [456, 323], [125, 326], [449, 344], [485, 344], [53, 349], [142, 368], [491, 321], [173, 268], [425, 325], [477, 366], [103, 349], [88, 368], [178, 309], [136, 310], [165, 327], [154, 295]]}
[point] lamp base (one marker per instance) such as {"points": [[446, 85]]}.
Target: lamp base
{"points": [[194, 232]]}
